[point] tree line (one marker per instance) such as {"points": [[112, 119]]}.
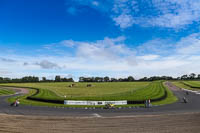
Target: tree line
{"points": [[191, 76], [31, 79], [105, 79], [128, 79]]}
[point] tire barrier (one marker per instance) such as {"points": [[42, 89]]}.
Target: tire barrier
{"points": [[190, 85], [46, 100], [43, 100], [152, 100]]}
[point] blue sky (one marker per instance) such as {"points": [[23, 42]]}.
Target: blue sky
{"points": [[117, 38]]}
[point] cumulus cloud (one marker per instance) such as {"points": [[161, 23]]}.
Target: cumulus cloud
{"points": [[4, 72], [113, 57], [157, 46], [7, 60], [189, 45], [148, 57], [124, 20], [109, 48], [158, 56], [45, 64], [160, 13]]}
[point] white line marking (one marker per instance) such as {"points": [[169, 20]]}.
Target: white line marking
{"points": [[196, 92], [96, 115]]}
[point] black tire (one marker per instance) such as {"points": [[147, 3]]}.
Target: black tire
{"points": [[12, 104]]}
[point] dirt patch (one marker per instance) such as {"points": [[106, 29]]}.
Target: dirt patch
{"points": [[172, 87], [151, 124], [21, 90]]}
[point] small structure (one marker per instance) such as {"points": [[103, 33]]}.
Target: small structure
{"points": [[89, 85], [72, 85]]}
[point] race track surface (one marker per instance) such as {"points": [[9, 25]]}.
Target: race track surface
{"points": [[174, 118], [179, 107], [174, 123]]}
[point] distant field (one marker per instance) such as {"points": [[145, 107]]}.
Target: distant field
{"points": [[81, 91], [5, 91], [191, 85], [132, 91], [99, 91]]}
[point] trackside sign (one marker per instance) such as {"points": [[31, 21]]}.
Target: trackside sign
{"points": [[74, 102]]}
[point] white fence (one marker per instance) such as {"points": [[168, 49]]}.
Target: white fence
{"points": [[73, 102]]}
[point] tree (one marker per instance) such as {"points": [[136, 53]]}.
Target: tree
{"points": [[144, 79], [57, 79], [192, 76], [70, 80], [106, 79], [198, 76], [184, 77], [44, 79], [98, 79], [81, 79], [130, 79], [113, 80]]}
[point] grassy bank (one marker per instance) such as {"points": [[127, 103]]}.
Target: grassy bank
{"points": [[6, 91], [138, 91]]}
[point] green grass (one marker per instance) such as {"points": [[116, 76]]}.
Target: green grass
{"points": [[134, 91], [170, 99], [192, 84], [111, 91], [185, 85], [80, 90], [6, 91]]}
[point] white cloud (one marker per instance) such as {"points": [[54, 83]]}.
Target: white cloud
{"points": [[109, 48], [156, 46], [45, 64], [124, 21], [189, 45], [148, 57], [6, 60], [95, 3], [160, 13], [112, 57], [176, 13], [68, 43]]}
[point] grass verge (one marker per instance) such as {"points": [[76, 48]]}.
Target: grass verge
{"points": [[180, 84], [6, 91]]}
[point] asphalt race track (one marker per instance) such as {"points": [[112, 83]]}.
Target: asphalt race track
{"points": [[193, 106]]}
